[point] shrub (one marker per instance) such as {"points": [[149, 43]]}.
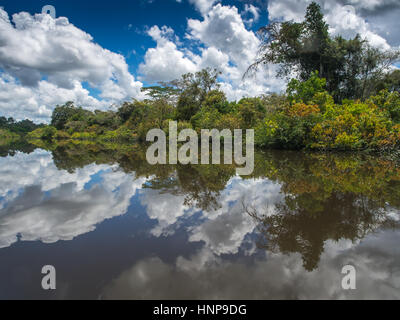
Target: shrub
{"points": [[305, 91], [206, 118], [389, 102], [290, 127], [121, 134], [6, 137], [352, 126], [62, 135], [84, 136], [45, 133]]}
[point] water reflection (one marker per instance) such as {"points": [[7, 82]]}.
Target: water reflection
{"points": [[197, 231]]}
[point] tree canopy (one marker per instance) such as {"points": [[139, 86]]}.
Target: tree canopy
{"points": [[352, 68]]}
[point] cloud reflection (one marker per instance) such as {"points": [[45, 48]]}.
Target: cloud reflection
{"points": [[45, 204], [278, 276]]}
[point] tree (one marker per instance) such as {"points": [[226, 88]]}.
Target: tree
{"points": [[391, 82], [251, 111], [134, 113], [164, 92], [193, 90], [351, 67], [305, 91], [298, 47], [19, 127], [62, 114]]}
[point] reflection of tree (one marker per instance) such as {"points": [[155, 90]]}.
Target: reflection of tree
{"points": [[313, 177], [327, 197], [201, 185], [16, 146]]}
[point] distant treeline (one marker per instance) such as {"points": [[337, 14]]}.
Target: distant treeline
{"points": [[11, 131], [18, 127]]}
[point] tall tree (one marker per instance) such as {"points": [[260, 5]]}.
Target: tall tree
{"points": [[193, 90], [350, 67]]}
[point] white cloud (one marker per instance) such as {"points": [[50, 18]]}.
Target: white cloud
{"points": [[49, 60], [344, 18], [203, 5], [222, 41], [37, 102], [166, 61], [253, 11]]}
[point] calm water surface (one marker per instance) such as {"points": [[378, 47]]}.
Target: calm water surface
{"points": [[115, 227]]}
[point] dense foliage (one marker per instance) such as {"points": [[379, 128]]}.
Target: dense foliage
{"points": [[345, 97], [307, 117], [18, 127], [352, 68], [12, 131], [312, 120]]}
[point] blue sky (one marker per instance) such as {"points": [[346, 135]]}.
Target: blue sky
{"points": [[100, 54], [120, 25]]}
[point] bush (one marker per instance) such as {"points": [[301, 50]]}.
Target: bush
{"points": [[206, 118], [121, 134], [305, 91], [84, 136], [389, 102], [353, 126], [46, 133], [290, 127], [62, 135], [6, 137]]}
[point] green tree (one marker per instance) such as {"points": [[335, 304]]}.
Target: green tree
{"points": [[351, 67], [62, 114], [251, 111], [133, 112], [164, 92], [391, 82], [193, 90], [305, 91]]}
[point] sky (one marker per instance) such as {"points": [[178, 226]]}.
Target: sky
{"points": [[99, 54]]}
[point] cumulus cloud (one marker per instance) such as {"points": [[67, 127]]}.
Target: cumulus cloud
{"points": [[223, 28], [346, 18], [203, 5], [37, 103], [222, 41], [48, 60], [166, 61]]}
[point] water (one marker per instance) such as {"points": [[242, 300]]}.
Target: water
{"points": [[115, 227]]}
